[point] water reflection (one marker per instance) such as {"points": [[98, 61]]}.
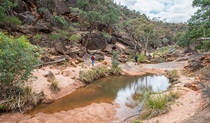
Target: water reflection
{"points": [[127, 91], [131, 97]]}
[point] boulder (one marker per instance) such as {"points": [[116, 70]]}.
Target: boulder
{"points": [[108, 48], [42, 27], [26, 17], [190, 86], [194, 65], [94, 41], [122, 60], [59, 47]]}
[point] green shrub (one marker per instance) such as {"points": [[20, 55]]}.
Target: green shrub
{"points": [[141, 58], [71, 28], [157, 104], [205, 46], [74, 38], [61, 20], [172, 75], [89, 76], [12, 20], [38, 37], [54, 37], [17, 60], [115, 61], [5, 7], [157, 101], [107, 35], [63, 33], [115, 71]]}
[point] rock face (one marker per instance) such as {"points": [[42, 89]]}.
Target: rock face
{"points": [[198, 61], [59, 47], [94, 41]]}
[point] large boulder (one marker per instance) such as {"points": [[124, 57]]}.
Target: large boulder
{"points": [[94, 41], [59, 47]]}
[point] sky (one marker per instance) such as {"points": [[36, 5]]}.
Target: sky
{"points": [[170, 10]]}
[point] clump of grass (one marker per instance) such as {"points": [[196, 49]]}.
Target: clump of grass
{"points": [[141, 58], [54, 86], [136, 121], [74, 38], [71, 28], [91, 75], [54, 37], [115, 71], [106, 35], [172, 75], [157, 104]]}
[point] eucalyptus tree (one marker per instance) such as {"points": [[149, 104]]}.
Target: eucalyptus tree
{"points": [[198, 23], [143, 31]]}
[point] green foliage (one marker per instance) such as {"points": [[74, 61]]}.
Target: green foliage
{"points": [[75, 38], [205, 45], [141, 57], [115, 61], [92, 16], [111, 16], [54, 37], [13, 20], [17, 60], [43, 9], [61, 20], [157, 101], [5, 6], [71, 28], [63, 34], [136, 121], [91, 75], [172, 75], [198, 24], [106, 35], [157, 104], [38, 36]]}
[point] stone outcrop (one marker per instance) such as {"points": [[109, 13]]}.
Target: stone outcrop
{"points": [[94, 41]]}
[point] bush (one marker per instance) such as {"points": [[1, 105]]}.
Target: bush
{"points": [[17, 60], [12, 20], [5, 7], [71, 28], [115, 61], [107, 35], [172, 75], [54, 37], [61, 20], [74, 38], [38, 37], [89, 76], [141, 57], [157, 104]]}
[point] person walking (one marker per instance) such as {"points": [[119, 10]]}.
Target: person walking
{"points": [[93, 59], [136, 59]]}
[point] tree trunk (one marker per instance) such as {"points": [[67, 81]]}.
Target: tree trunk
{"points": [[145, 47]]}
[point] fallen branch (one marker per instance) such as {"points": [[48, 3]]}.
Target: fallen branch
{"points": [[4, 101], [130, 117], [53, 62], [19, 103]]}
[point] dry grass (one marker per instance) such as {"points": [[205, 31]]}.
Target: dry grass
{"points": [[157, 104]]}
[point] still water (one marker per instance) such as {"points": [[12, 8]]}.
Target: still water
{"points": [[127, 91]]}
